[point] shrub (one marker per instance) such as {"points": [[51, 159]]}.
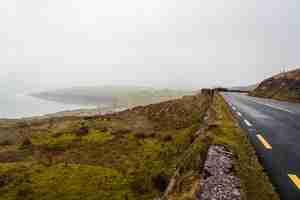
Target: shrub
{"points": [[5, 142], [160, 182], [140, 135], [82, 131], [97, 137], [167, 138], [26, 143], [60, 143], [4, 179]]}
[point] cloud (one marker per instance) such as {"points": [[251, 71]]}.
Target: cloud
{"points": [[164, 43]]}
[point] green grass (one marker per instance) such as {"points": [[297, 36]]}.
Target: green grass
{"points": [[61, 142], [62, 182], [97, 137]]}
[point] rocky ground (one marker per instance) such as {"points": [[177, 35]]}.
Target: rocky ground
{"points": [[218, 179]]}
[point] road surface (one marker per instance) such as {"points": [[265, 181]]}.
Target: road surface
{"points": [[274, 129]]}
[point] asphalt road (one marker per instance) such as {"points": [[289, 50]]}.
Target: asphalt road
{"points": [[274, 129]]}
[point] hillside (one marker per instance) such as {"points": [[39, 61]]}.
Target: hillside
{"points": [[246, 88], [130, 155], [110, 96], [284, 86]]}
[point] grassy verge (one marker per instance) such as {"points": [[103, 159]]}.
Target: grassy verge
{"points": [[256, 184]]}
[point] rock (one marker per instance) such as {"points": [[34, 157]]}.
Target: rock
{"points": [[218, 180], [4, 179]]}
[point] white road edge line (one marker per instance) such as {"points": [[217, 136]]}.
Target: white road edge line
{"points": [[234, 108], [272, 106], [283, 109], [247, 122], [239, 114]]}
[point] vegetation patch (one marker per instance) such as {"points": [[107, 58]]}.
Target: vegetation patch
{"points": [[64, 182], [59, 143], [97, 137]]}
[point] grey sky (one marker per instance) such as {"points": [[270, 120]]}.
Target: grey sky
{"points": [[167, 43]]}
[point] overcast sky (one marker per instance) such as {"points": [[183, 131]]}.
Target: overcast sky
{"points": [[161, 43]]}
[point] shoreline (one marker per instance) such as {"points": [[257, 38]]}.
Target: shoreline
{"points": [[27, 106], [81, 112]]}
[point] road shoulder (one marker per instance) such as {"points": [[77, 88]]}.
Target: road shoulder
{"points": [[255, 183]]}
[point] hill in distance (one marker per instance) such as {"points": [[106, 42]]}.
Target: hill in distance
{"points": [[246, 88], [284, 86], [111, 98], [97, 95]]}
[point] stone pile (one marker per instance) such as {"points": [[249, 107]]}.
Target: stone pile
{"points": [[218, 181]]}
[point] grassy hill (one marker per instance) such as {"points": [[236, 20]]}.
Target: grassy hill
{"points": [[128, 155], [284, 86]]}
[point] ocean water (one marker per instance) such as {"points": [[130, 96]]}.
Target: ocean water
{"points": [[14, 105]]}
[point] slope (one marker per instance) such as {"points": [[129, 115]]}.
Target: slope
{"points": [[284, 86]]}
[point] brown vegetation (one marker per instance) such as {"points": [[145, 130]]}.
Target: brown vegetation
{"points": [[284, 86]]}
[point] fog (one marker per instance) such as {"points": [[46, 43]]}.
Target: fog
{"points": [[158, 43]]}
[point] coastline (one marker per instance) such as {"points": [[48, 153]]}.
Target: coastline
{"points": [[22, 106]]}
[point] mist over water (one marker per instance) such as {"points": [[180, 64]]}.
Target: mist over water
{"points": [[168, 44], [21, 105]]}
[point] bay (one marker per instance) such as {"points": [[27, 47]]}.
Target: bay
{"points": [[18, 105]]}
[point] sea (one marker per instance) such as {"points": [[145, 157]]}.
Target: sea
{"points": [[20, 105]]}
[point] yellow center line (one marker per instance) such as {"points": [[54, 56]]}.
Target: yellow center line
{"points": [[263, 141], [295, 180]]}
